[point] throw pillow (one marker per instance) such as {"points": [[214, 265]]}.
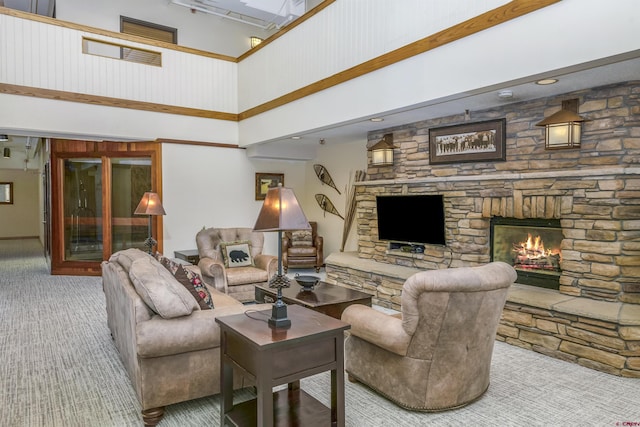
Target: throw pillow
{"points": [[301, 238], [160, 290], [236, 254], [190, 280], [199, 286]]}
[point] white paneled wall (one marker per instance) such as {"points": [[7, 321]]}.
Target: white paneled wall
{"points": [[50, 57], [345, 34]]}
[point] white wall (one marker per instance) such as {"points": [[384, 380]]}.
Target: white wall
{"points": [[341, 161], [51, 57], [49, 118], [22, 218], [197, 30], [215, 187]]}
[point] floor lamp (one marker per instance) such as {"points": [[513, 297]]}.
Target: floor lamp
{"points": [[280, 212], [150, 205]]}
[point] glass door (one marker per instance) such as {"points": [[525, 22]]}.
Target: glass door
{"points": [[95, 189], [130, 178], [82, 192]]}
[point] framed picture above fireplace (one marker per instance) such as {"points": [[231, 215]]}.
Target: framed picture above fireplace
{"points": [[468, 142]]}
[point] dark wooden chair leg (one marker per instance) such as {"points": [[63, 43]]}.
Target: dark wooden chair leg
{"points": [[152, 416]]}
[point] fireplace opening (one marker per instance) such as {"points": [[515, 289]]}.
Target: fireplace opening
{"points": [[531, 246]]}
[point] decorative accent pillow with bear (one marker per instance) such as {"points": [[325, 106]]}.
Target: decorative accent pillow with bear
{"points": [[236, 254]]}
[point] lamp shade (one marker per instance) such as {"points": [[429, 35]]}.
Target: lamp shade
{"points": [[281, 211], [382, 152], [150, 205], [563, 128]]}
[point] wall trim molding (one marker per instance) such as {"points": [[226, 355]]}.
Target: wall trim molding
{"points": [[202, 143], [105, 101]]}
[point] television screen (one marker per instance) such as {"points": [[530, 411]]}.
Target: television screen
{"points": [[411, 219]]}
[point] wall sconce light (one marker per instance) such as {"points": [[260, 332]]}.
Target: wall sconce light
{"points": [[382, 152], [6, 153], [562, 129], [255, 41]]}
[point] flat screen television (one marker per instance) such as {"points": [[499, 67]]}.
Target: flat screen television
{"points": [[415, 219]]}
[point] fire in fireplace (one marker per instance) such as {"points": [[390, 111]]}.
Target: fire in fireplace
{"points": [[531, 246]]}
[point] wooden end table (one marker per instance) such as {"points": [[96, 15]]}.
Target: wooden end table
{"points": [[325, 298], [313, 344], [190, 255]]}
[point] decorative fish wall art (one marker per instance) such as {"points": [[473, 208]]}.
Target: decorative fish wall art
{"points": [[326, 205], [324, 177]]}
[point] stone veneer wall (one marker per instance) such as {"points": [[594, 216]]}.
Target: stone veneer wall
{"points": [[593, 190]]}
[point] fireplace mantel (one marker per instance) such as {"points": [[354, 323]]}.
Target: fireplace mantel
{"points": [[509, 176]]}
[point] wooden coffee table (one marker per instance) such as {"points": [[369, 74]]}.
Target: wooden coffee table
{"points": [[325, 298]]}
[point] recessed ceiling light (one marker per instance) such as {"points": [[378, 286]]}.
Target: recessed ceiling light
{"points": [[505, 94], [546, 81], [377, 119], [296, 137]]}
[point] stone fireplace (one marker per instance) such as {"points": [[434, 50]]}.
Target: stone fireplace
{"points": [[532, 246], [591, 314]]}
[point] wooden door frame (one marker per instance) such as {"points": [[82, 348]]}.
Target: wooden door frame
{"points": [[104, 150]]}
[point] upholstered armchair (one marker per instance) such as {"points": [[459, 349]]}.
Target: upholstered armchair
{"points": [[438, 355], [231, 260], [302, 249]]}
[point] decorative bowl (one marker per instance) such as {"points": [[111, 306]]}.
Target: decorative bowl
{"points": [[307, 282]]}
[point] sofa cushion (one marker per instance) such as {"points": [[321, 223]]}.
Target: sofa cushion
{"points": [[127, 256], [236, 254], [244, 275], [189, 279], [160, 290], [298, 251]]}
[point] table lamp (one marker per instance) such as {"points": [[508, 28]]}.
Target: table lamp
{"points": [[280, 212], [150, 205]]}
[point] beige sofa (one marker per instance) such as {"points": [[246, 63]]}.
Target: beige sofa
{"points": [[437, 356], [238, 282], [168, 359]]}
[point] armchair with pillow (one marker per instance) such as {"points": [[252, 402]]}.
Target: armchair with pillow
{"points": [[231, 260], [302, 248]]}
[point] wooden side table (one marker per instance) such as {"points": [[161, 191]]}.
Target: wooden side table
{"points": [[190, 255], [314, 343]]}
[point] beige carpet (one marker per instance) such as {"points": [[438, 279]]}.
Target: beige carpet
{"points": [[59, 368]]}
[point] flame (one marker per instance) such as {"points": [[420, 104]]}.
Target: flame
{"points": [[533, 248]]}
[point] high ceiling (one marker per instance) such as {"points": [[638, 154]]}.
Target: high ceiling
{"points": [[266, 14], [276, 13]]}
